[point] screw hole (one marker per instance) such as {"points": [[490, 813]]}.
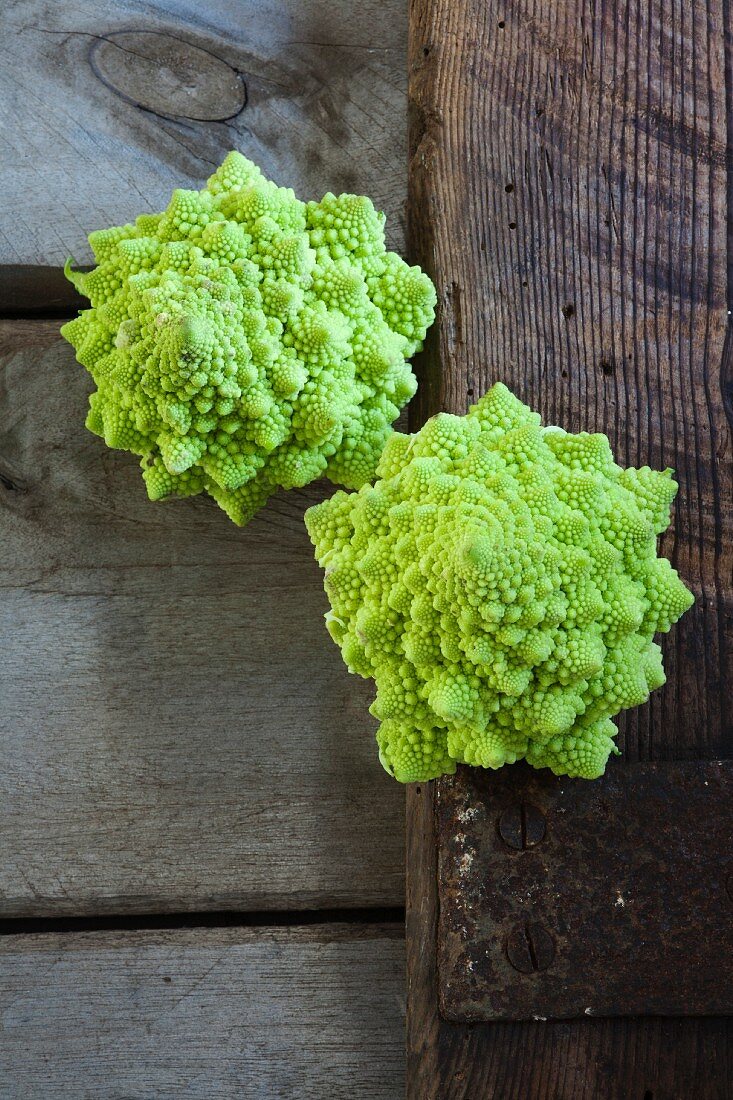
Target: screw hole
{"points": [[568, 311], [524, 282], [564, 373], [418, 790], [426, 51], [501, 24], [508, 187], [512, 225], [470, 392]]}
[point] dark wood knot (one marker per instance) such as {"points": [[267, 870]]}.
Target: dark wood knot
{"points": [[168, 75]]}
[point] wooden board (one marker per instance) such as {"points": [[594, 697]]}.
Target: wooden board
{"points": [[299, 1012], [96, 126], [178, 731], [568, 190]]}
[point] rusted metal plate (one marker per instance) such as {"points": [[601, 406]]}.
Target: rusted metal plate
{"points": [[560, 898]]}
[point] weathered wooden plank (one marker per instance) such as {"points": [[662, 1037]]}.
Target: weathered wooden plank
{"points": [[178, 730], [569, 194], [104, 109], [299, 1012]]}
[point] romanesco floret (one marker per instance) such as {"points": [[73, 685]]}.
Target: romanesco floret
{"points": [[500, 584], [243, 340]]}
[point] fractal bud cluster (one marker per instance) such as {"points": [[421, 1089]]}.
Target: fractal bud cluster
{"points": [[243, 340], [500, 584], [498, 580]]}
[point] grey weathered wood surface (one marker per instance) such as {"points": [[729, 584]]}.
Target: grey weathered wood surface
{"points": [[178, 730], [325, 108], [302, 1013]]}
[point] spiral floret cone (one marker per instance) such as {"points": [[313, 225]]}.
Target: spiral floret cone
{"points": [[243, 341], [500, 584]]}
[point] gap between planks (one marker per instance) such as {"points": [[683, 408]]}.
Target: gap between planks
{"points": [[242, 930], [387, 920], [29, 291]]}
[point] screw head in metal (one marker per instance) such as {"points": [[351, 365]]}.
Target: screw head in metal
{"points": [[522, 825], [530, 948]]}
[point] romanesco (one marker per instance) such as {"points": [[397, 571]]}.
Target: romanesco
{"points": [[243, 340], [500, 584]]}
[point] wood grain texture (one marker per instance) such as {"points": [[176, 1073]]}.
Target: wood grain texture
{"points": [[271, 1014], [178, 731], [105, 108], [569, 193]]}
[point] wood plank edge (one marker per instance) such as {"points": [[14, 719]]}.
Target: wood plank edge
{"points": [[421, 929], [35, 291], [325, 932], [256, 907], [423, 1024]]}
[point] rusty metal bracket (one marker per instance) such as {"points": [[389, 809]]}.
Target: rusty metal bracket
{"points": [[560, 898]]}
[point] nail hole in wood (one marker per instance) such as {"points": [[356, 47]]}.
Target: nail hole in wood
{"points": [[568, 311]]}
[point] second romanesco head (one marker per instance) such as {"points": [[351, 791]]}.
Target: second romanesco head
{"points": [[500, 584], [244, 340]]}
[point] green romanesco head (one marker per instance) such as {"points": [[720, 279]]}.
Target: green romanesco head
{"points": [[243, 340], [500, 584]]}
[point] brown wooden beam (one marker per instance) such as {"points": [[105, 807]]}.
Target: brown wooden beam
{"points": [[568, 192]]}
